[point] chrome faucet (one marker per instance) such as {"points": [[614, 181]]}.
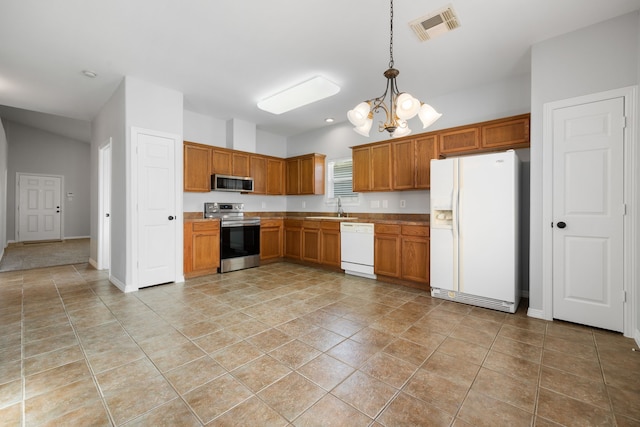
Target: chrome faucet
{"points": [[340, 210]]}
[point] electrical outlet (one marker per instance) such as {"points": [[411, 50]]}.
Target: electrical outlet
{"points": [[385, 204], [403, 203], [375, 204], [304, 204], [264, 205]]}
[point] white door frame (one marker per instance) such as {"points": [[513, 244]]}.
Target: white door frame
{"points": [[104, 232], [17, 212], [631, 198], [132, 206]]}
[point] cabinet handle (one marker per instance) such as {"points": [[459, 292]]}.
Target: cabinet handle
{"points": [[562, 224], [170, 217]]}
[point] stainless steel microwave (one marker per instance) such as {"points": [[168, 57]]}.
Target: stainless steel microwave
{"points": [[242, 184]]}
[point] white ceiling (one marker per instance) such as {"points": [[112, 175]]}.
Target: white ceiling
{"points": [[226, 55]]}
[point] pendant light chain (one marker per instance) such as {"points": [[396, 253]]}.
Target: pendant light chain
{"points": [[399, 108], [391, 37]]}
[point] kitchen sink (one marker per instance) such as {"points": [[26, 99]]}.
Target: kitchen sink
{"points": [[334, 218]]}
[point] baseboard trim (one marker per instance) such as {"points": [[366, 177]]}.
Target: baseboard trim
{"points": [[637, 337], [124, 288], [535, 313], [93, 263]]}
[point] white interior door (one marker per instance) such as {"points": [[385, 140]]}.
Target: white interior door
{"points": [[39, 209], [156, 216], [104, 256], [588, 210]]}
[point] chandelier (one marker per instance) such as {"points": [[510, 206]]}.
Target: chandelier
{"points": [[400, 108]]}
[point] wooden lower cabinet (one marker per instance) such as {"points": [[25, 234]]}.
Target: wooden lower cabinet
{"points": [[415, 253], [330, 244], [402, 252], [201, 248], [311, 241], [316, 242], [386, 258], [293, 238], [270, 239]]}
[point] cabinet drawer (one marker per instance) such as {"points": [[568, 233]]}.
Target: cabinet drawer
{"points": [[206, 226], [311, 224], [293, 223], [330, 225], [387, 229], [270, 222], [415, 230]]}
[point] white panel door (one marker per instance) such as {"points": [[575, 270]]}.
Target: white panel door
{"points": [[588, 209], [39, 213], [488, 218], [156, 210]]}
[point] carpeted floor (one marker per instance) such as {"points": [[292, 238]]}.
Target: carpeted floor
{"points": [[25, 256]]}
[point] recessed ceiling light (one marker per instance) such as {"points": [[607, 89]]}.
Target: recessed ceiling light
{"points": [[329, 120], [90, 74], [298, 95]]}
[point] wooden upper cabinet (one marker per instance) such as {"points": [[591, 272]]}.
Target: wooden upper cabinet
{"points": [[293, 176], [426, 150], [508, 133], [240, 164], [381, 167], [361, 157], [372, 167], [305, 174], [412, 162], [404, 164], [275, 176], [221, 161], [196, 167], [258, 171], [494, 135], [459, 140]]}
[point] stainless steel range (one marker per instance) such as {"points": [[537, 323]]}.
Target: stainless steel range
{"points": [[239, 236]]}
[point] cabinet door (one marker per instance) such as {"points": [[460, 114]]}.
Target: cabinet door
{"points": [[293, 176], [221, 161], [381, 167], [270, 242], [506, 134], [240, 164], [425, 151], [387, 255], [404, 165], [311, 244], [275, 176], [307, 175], [415, 259], [293, 239], [361, 169], [197, 168], [459, 140], [258, 172], [330, 245], [206, 251]]}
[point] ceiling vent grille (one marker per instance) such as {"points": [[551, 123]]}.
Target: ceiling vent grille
{"points": [[435, 24]]}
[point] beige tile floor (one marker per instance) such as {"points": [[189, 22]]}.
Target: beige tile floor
{"points": [[284, 345]]}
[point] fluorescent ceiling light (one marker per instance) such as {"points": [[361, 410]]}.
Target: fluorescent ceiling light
{"points": [[301, 94]]}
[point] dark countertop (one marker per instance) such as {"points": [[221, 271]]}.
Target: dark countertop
{"points": [[407, 219]]}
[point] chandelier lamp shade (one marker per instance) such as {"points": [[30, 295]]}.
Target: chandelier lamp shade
{"points": [[399, 108]]}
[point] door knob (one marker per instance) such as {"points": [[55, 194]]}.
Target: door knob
{"points": [[107, 215], [562, 224], [170, 217]]}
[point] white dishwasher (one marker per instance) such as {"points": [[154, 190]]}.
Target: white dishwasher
{"points": [[356, 248]]}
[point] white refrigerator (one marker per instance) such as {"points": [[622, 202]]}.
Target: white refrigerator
{"points": [[474, 230]]}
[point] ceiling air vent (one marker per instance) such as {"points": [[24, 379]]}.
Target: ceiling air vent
{"points": [[434, 24]]}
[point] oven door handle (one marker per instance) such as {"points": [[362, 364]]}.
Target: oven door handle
{"points": [[238, 224]]}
